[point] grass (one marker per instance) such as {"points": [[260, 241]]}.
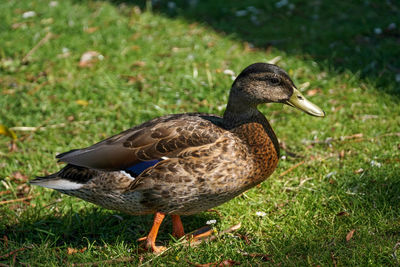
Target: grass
{"points": [[170, 59]]}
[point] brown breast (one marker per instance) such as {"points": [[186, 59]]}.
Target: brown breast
{"points": [[261, 146]]}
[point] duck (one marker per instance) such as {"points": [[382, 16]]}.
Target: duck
{"points": [[183, 164]]}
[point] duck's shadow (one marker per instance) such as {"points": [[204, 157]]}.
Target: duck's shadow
{"points": [[95, 226]]}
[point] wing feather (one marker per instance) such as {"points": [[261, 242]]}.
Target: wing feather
{"points": [[164, 136]]}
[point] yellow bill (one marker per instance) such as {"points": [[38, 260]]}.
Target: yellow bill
{"points": [[297, 100]]}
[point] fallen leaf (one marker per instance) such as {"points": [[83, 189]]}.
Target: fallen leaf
{"points": [[229, 263], [23, 190], [19, 25], [5, 192], [341, 154], [19, 177], [91, 29], [47, 21], [313, 91], [248, 47], [360, 170], [264, 257], [224, 263], [82, 102], [89, 58], [13, 146], [245, 238], [354, 136], [5, 239], [304, 86], [333, 259], [4, 130], [134, 79], [342, 213], [138, 64], [71, 251], [350, 235], [210, 44]]}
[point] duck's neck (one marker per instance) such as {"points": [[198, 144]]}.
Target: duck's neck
{"points": [[239, 112]]}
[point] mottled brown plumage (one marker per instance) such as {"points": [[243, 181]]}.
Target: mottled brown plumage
{"points": [[195, 161]]}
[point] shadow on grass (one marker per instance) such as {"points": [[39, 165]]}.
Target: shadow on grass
{"points": [[360, 36], [95, 225]]}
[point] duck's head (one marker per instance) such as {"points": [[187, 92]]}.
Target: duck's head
{"points": [[265, 83]]}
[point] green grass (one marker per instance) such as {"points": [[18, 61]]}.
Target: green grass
{"points": [[171, 60]]}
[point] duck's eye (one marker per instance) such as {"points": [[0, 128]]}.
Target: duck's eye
{"points": [[275, 81]]}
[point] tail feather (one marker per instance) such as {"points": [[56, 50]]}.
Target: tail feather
{"points": [[69, 178], [57, 183]]}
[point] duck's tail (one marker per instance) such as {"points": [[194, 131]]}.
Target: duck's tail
{"points": [[71, 177]]}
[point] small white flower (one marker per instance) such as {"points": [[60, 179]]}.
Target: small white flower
{"points": [[392, 26], [65, 50], [398, 77], [375, 163], [377, 31], [28, 14], [241, 13], [221, 107], [255, 20], [261, 213], [330, 174], [283, 157], [229, 72], [281, 3], [171, 5], [53, 3], [211, 222], [253, 10]]}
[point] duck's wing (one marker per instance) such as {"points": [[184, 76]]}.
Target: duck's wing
{"points": [[161, 137]]}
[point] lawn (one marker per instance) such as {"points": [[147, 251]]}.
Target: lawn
{"points": [[335, 197]]}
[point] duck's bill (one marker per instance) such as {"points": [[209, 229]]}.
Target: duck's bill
{"points": [[297, 100]]}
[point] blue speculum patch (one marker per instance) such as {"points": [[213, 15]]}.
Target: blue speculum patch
{"points": [[138, 168]]}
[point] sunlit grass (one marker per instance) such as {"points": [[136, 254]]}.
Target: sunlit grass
{"points": [[152, 64]]}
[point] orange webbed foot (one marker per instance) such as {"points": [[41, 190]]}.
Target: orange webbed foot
{"points": [[150, 240]]}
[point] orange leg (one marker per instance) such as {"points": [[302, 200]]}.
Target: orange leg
{"points": [[177, 227], [150, 240]]}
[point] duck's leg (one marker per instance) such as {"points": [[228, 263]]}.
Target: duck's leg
{"points": [[150, 239], [177, 227]]}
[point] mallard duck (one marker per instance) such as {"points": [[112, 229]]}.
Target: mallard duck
{"points": [[184, 164]]}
